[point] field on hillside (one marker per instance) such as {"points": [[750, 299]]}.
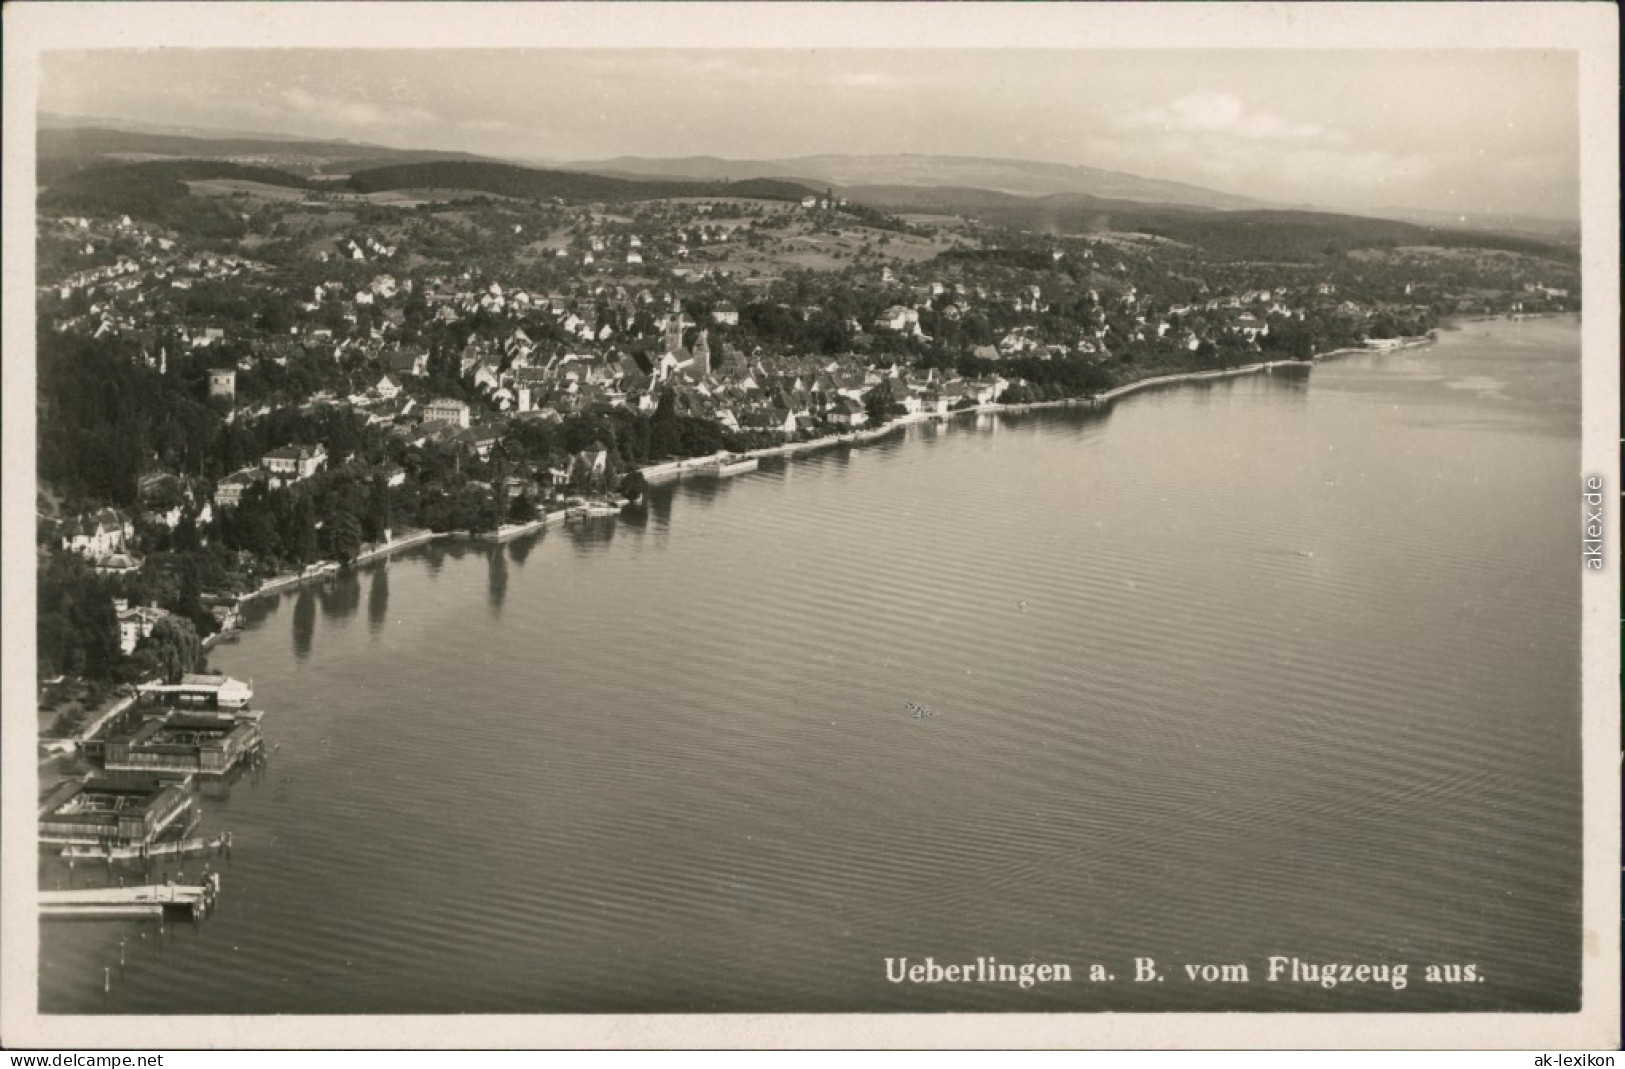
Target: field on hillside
{"points": [[458, 228], [1437, 252], [234, 187]]}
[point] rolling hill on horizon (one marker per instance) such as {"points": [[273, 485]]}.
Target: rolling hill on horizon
{"points": [[913, 182], [898, 182], [1090, 200], [1015, 177], [513, 180], [62, 149]]}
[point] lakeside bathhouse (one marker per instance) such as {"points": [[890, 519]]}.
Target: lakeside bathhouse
{"points": [[113, 809], [184, 743]]}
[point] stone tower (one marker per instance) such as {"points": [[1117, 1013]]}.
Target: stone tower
{"points": [[223, 383]]}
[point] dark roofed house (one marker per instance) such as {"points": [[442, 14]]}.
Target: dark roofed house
{"points": [[846, 412], [230, 489], [413, 362], [768, 419], [481, 440], [116, 564], [438, 430]]}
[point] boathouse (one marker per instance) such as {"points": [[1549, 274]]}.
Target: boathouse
{"points": [[113, 809], [222, 692], [186, 742]]}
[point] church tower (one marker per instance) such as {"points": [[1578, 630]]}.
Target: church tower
{"points": [[674, 334]]}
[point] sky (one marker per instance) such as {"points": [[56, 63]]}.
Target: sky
{"points": [[1478, 131]]}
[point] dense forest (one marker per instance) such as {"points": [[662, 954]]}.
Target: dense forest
{"points": [[105, 416], [156, 192], [1292, 236]]}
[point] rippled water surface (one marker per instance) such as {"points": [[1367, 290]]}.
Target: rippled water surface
{"points": [[1283, 664]]}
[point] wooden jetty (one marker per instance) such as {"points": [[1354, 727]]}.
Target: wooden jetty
{"points": [[148, 900], [112, 911], [141, 852]]}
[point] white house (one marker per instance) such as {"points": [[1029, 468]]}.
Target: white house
{"points": [[98, 534], [135, 623], [897, 317], [291, 463], [450, 410]]}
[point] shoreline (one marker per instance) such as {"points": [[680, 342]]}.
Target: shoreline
{"points": [[327, 569], [316, 573], [666, 470]]}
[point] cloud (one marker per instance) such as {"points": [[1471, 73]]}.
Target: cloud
{"points": [[1328, 171], [332, 110], [1214, 138], [1221, 114]]}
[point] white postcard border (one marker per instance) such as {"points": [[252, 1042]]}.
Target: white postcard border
{"points": [[1591, 30]]}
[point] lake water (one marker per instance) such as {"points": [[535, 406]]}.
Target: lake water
{"points": [[1280, 665]]}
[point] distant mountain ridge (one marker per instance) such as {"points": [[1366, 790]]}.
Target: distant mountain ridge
{"points": [[960, 200], [512, 180], [1024, 178], [50, 120], [902, 182], [65, 147], [1547, 228]]}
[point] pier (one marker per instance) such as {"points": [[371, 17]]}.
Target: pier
{"points": [[150, 900]]}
